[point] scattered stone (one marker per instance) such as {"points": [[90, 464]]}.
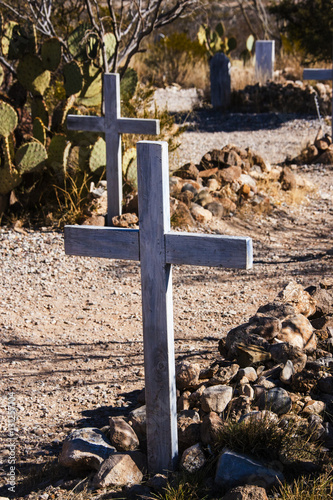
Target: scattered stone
{"points": [[298, 332], [216, 398], [234, 469], [276, 400], [210, 428], [122, 435], [247, 492], [85, 448], [125, 220], [301, 300], [287, 372], [193, 459], [187, 374], [117, 470]]}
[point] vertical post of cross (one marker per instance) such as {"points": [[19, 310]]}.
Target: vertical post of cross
{"points": [[113, 146], [157, 312]]}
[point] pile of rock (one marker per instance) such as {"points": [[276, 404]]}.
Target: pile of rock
{"points": [[320, 152], [224, 180], [288, 97], [276, 368]]}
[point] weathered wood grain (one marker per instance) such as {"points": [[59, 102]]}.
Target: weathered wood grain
{"points": [[209, 250], [113, 126], [157, 314], [105, 242]]}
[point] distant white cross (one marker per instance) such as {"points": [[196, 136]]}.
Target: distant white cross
{"points": [[320, 74], [113, 126], [157, 248]]}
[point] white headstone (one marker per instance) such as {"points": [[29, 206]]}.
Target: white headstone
{"points": [[157, 248], [265, 56]]}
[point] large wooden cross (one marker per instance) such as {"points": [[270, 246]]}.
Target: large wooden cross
{"points": [[157, 248], [320, 74], [113, 126]]}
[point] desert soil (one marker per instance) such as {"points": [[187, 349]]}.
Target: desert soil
{"points": [[71, 332]]}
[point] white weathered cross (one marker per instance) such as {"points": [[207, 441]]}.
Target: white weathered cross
{"points": [[113, 126], [157, 248], [320, 74]]}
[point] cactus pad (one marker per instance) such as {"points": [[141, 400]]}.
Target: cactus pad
{"points": [[8, 119], [30, 157], [78, 159], [73, 78], [97, 158], [32, 75], [128, 84], [91, 94], [76, 44], [6, 36], [130, 167], [110, 42], [58, 155], [10, 178], [39, 110], [38, 131], [51, 53]]}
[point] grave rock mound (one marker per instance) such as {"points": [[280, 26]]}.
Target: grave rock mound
{"points": [[224, 180], [274, 370], [287, 97], [320, 152]]}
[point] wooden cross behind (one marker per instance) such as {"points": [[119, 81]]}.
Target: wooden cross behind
{"points": [[320, 74], [113, 126], [157, 248]]}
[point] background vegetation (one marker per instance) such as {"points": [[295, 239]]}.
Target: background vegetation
{"points": [[52, 58]]}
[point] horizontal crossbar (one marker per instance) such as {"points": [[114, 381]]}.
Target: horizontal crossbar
{"points": [[105, 242], [209, 250], [181, 248]]}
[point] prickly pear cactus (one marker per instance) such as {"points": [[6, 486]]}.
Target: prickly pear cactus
{"points": [[10, 178], [76, 41], [39, 110], [110, 43], [30, 157], [38, 130], [8, 119], [73, 79], [51, 53], [128, 84], [32, 75], [97, 158], [130, 167], [58, 151], [91, 94], [214, 40]]}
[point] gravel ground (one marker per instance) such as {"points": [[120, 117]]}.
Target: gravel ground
{"points": [[71, 339]]}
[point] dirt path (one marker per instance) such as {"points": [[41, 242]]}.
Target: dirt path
{"points": [[71, 341]]}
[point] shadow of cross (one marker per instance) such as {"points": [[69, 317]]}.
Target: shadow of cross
{"points": [[320, 74], [113, 126], [157, 248]]}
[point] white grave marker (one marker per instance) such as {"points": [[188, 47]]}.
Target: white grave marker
{"points": [[157, 248], [113, 126], [320, 74], [265, 56]]}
